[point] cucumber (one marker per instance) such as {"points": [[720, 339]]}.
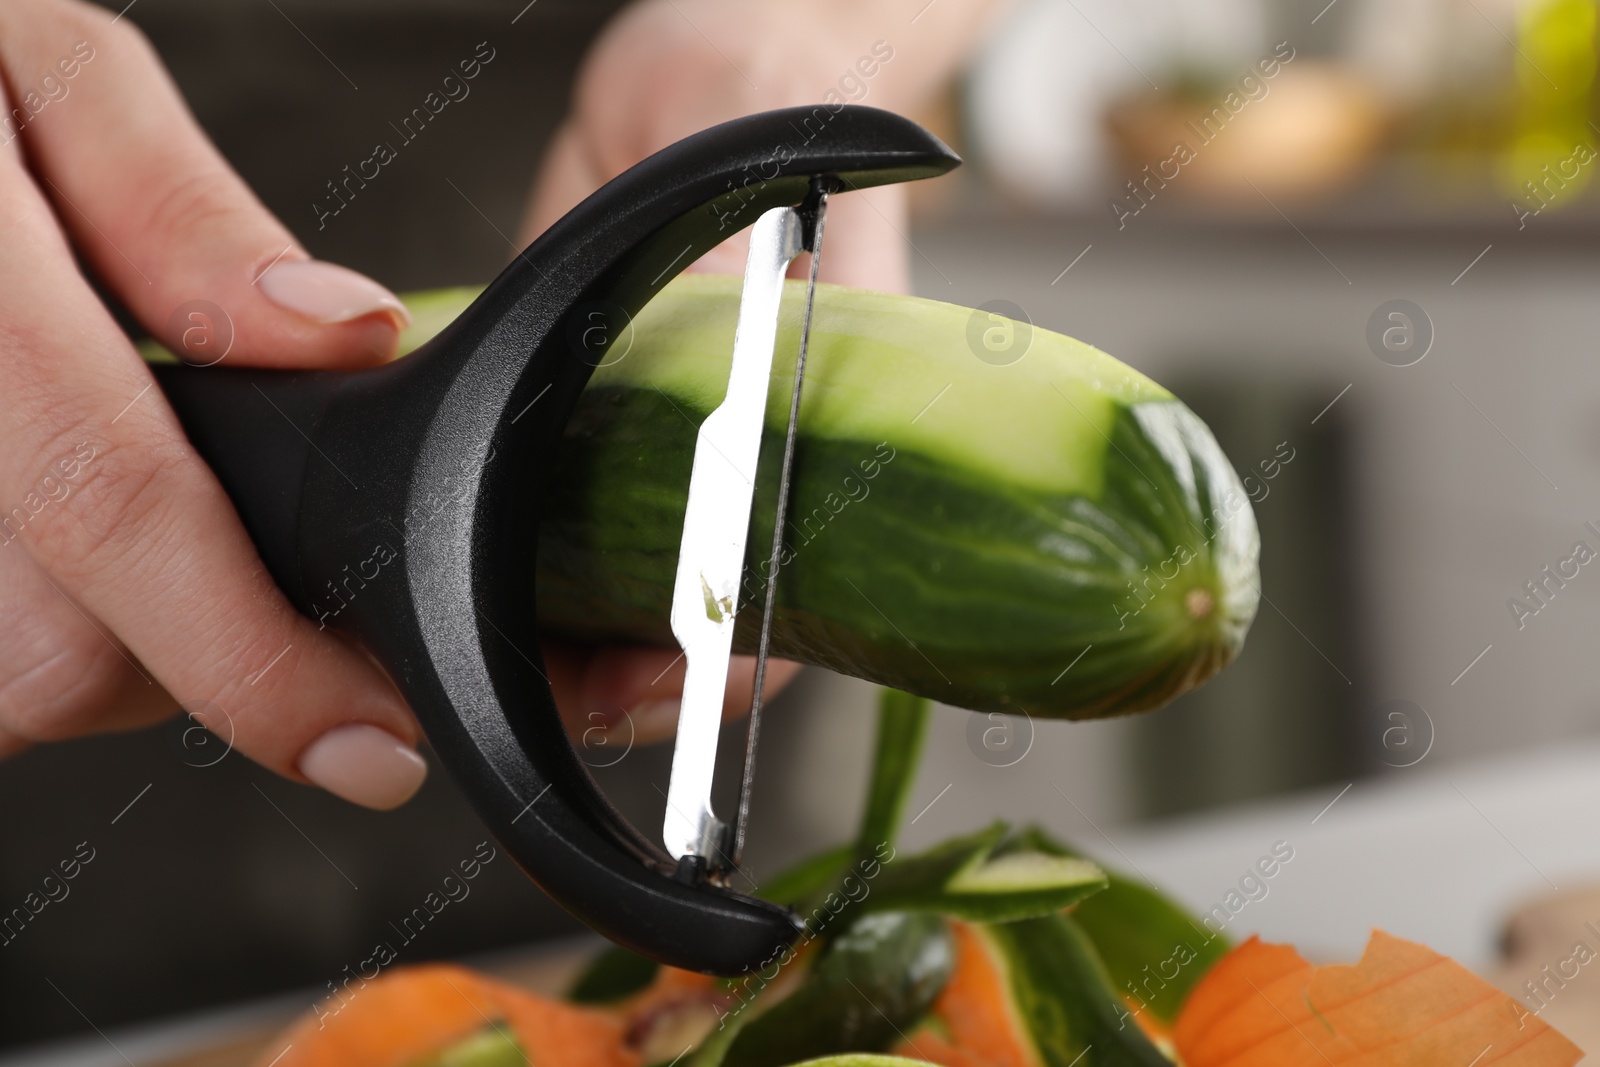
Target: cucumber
{"points": [[872, 982], [612, 975], [492, 1046], [1138, 933], [1063, 999], [1058, 536]]}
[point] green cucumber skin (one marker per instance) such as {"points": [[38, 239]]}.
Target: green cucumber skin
{"points": [[871, 984], [492, 1046], [612, 975], [1136, 931], [1064, 997], [946, 583]]}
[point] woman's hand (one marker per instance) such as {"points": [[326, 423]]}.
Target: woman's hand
{"points": [[128, 586], [664, 69]]}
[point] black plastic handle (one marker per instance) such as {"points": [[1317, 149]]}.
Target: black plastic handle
{"points": [[402, 504]]}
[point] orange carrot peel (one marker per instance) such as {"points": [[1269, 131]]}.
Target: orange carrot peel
{"points": [[414, 1012], [1264, 1006]]}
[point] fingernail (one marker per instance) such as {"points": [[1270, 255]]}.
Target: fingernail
{"points": [[329, 293], [653, 720], [365, 765]]}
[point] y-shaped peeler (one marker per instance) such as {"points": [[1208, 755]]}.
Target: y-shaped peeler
{"points": [[402, 504]]}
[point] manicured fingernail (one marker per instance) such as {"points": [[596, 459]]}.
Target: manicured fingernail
{"points": [[329, 293], [653, 720], [365, 765]]}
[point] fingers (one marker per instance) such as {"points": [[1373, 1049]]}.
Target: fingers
{"points": [[638, 690], [163, 218], [108, 499], [864, 243], [61, 675], [567, 174]]}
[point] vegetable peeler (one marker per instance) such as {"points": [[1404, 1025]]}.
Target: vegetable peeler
{"points": [[401, 504]]}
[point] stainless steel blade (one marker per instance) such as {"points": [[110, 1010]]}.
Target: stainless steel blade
{"points": [[705, 597], [775, 558]]}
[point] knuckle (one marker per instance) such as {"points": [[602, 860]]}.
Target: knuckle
{"points": [[88, 18], [56, 689], [252, 668], [28, 351], [125, 504], [75, 16], [199, 204]]}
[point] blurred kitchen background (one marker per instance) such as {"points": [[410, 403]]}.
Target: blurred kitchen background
{"points": [[1436, 152]]}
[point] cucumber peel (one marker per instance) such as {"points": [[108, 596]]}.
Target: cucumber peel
{"points": [[492, 1046], [1154, 950], [872, 982], [809, 879], [1063, 996], [612, 975], [963, 878], [1075, 973], [902, 728]]}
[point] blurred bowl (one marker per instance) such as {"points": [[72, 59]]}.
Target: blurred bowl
{"points": [[1550, 961], [1312, 130]]}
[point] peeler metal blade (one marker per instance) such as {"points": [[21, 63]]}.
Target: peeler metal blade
{"points": [[706, 595]]}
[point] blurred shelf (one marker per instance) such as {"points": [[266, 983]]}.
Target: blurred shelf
{"points": [[1400, 195]]}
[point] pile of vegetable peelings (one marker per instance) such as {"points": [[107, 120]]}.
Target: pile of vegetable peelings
{"points": [[1004, 948]]}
